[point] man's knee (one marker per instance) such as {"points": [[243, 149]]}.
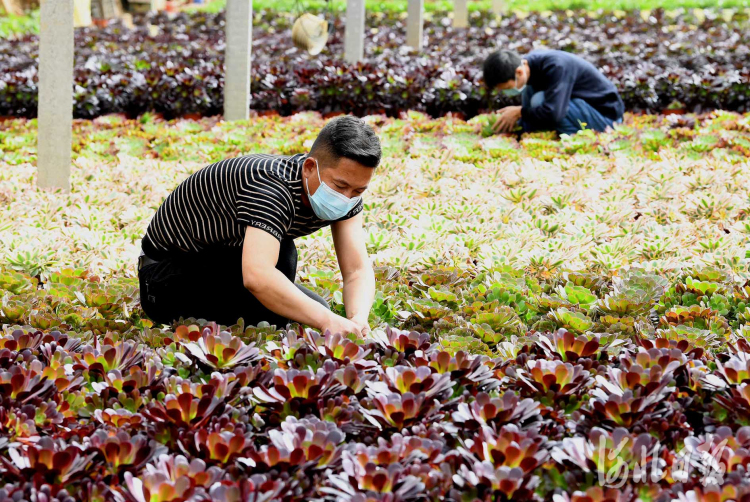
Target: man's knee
{"points": [[571, 123], [537, 99], [314, 296], [582, 115]]}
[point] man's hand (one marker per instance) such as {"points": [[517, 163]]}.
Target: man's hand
{"points": [[507, 118], [362, 323], [342, 325]]}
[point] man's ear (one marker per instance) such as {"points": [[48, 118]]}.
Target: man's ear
{"points": [[309, 164]]}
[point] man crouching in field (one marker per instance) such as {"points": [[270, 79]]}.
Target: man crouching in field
{"points": [[559, 92], [221, 246]]}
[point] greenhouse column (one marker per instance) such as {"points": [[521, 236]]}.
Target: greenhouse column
{"points": [[415, 24], [239, 39], [354, 38], [460, 13], [55, 108]]}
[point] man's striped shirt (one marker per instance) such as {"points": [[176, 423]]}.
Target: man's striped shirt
{"points": [[215, 205]]}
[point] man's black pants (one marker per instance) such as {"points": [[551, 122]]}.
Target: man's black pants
{"points": [[209, 285]]}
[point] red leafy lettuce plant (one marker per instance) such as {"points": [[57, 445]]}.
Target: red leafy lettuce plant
{"points": [[309, 442], [171, 478], [49, 461], [486, 410], [221, 350]]}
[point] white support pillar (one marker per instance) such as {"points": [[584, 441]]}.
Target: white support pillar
{"points": [[498, 7], [237, 59], [415, 24], [460, 13], [55, 102], [354, 36]]}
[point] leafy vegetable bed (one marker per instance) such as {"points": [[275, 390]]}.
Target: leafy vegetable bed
{"points": [[646, 378], [659, 190], [582, 317], [655, 59]]}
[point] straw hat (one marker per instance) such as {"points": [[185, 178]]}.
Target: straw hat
{"points": [[310, 33]]}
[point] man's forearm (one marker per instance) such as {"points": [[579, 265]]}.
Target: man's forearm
{"points": [[278, 294], [359, 293]]}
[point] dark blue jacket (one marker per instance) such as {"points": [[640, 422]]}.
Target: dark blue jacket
{"points": [[563, 76]]}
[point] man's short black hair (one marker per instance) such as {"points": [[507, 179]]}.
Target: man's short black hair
{"points": [[351, 138], [500, 67]]}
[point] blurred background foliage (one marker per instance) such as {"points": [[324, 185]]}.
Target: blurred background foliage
{"points": [[13, 25]]}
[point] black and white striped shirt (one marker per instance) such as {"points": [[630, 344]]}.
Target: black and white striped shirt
{"points": [[214, 205]]}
